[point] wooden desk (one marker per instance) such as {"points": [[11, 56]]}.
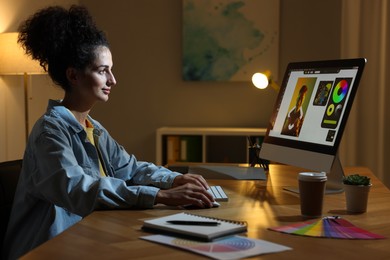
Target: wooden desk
{"points": [[115, 234]]}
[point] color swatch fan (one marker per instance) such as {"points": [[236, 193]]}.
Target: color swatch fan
{"points": [[329, 227]]}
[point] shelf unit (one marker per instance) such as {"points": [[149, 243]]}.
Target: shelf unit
{"points": [[206, 144]]}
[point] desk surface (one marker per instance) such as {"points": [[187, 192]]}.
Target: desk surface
{"points": [[115, 234]]}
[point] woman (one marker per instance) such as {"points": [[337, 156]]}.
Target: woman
{"points": [[71, 165]]}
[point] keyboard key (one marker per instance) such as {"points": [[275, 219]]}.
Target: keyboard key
{"points": [[218, 193]]}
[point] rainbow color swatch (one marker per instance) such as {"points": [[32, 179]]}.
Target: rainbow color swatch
{"points": [[328, 227]]}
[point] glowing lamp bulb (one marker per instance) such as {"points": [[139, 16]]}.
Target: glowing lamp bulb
{"points": [[260, 80]]}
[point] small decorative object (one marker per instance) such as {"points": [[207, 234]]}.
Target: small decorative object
{"points": [[357, 188]]}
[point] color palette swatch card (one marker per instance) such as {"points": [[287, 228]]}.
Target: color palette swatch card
{"points": [[328, 227]]}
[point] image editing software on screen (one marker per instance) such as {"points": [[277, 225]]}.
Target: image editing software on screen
{"points": [[311, 112]]}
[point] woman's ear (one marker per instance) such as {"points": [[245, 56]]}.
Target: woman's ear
{"points": [[71, 75]]}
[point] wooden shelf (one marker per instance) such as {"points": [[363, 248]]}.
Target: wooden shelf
{"points": [[205, 144]]}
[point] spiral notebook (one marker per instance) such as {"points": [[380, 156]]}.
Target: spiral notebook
{"points": [[201, 232]]}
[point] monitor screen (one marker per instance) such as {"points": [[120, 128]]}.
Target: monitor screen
{"points": [[311, 112]]}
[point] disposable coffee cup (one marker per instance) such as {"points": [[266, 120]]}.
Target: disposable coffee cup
{"points": [[311, 193]]}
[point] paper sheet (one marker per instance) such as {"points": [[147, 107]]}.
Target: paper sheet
{"points": [[232, 247]]}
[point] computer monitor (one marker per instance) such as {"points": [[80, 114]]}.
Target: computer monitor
{"points": [[310, 115]]}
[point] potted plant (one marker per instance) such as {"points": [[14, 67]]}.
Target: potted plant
{"points": [[356, 189]]}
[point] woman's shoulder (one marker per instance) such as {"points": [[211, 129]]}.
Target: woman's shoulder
{"points": [[57, 118]]}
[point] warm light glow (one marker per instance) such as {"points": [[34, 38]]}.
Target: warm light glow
{"points": [[260, 80], [263, 80], [13, 58], [7, 14]]}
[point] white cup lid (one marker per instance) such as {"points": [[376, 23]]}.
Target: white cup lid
{"points": [[312, 176]]}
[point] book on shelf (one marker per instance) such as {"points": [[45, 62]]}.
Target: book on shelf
{"points": [[203, 232], [173, 148], [186, 148]]}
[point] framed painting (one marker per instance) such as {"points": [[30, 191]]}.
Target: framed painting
{"points": [[229, 40]]}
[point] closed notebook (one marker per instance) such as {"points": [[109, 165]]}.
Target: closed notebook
{"points": [[201, 232]]}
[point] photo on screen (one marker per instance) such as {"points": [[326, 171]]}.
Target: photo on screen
{"points": [[322, 95], [298, 106]]}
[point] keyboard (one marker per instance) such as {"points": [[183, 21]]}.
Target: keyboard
{"points": [[218, 193]]}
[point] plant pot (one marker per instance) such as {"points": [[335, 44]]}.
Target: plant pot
{"points": [[356, 197]]}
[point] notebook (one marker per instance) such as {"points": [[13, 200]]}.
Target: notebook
{"points": [[198, 232]]}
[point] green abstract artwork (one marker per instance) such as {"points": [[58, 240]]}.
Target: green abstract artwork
{"points": [[229, 40]]}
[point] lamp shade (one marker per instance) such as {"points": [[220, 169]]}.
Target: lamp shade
{"points": [[13, 59]]}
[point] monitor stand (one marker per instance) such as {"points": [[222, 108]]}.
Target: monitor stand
{"points": [[334, 184]]}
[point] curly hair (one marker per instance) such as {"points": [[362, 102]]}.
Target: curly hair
{"points": [[59, 38]]}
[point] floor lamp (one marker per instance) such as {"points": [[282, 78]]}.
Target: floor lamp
{"points": [[14, 61]]}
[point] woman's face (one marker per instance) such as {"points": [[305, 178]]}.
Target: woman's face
{"points": [[95, 82]]}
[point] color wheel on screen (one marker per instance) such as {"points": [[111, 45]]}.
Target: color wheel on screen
{"points": [[329, 227], [336, 103], [340, 91]]}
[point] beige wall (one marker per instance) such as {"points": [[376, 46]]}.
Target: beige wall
{"points": [[12, 130], [145, 38]]}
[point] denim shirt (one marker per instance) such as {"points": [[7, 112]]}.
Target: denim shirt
{"points": [[60, 182]]}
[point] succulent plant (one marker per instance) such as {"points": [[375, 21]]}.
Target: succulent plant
{"points": [[356, 179]]}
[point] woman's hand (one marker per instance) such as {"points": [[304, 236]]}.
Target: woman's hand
{"points": [[187, 189], [190, 178]]}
